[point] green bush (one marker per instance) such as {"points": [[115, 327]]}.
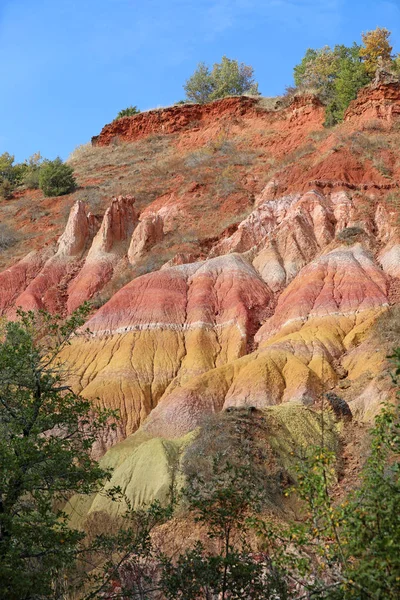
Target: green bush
{"points": [[6, 188], [130, 111], [30, 178], [56, 178]]}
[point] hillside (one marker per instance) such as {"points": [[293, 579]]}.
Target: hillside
{"points": [[236, 253]]}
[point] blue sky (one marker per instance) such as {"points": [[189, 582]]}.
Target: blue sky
{"points": [[68, 67]]}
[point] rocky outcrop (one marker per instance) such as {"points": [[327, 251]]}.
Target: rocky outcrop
{"points": [[47, 290], [180, 118], [166, 328], [173, 119], [379, 101], [109, 246], [17, 278], [149, 232], [269, 288], [325, 310]]}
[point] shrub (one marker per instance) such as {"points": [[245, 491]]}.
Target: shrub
{"points": [[6, 188], [130, 111], [56, 178], [350, 233], [30, 178], [8, 237]]}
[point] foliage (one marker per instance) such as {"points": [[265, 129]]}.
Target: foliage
{"points": [[348, 550], [47, 432], [231, 78], [56, 178], [130, 111], [13, 175], [227, 78], [351, 76], [336, 75], [124, 564], [376, 50], [6, 166], [222, 493], [6, 189], [8, 237], [199, 86], [350, 233], [30, 177]]}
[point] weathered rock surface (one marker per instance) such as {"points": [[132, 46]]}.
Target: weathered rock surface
{"points": [[266, 293], [47, 290], [149, 232], [166, 328], [108, 247]]}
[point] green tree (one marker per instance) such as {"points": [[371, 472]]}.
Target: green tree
{"points": [[46, 434], [30, 178], [347, 550], [317, 71], [350, 77], [377, 49], [56, 178], [6, 166], [130, 111], [6, 189], [199, 86], [231, 78], [335, 75], [227, 481], [227, 78]]}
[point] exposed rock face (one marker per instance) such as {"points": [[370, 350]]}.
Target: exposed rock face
{"points": [[14, 280], [172, 119], [380, 101], [109, 246], [167, 328], [272, 299], [47, 289], [178, 118], [149, 232], [319, 315]]}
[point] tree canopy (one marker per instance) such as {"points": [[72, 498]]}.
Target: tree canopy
{"points": [[227, 78], [337, 74], [46, 433]]}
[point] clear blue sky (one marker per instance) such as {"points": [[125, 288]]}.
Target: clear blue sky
{"points": [[68, 67]]}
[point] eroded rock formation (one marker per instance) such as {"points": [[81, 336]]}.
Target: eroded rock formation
{"points": [[279, 306]]}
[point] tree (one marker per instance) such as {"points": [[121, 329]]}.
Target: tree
{"points": [[230, 78], [46, 434], [199, 86], [6, 166], [376, 50], [227, 78], [347, 550], [317, 71], [350, 77], [30, 177], [335, 75], [6, 189], [56, 178], [227, 481], [130, 111]]}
